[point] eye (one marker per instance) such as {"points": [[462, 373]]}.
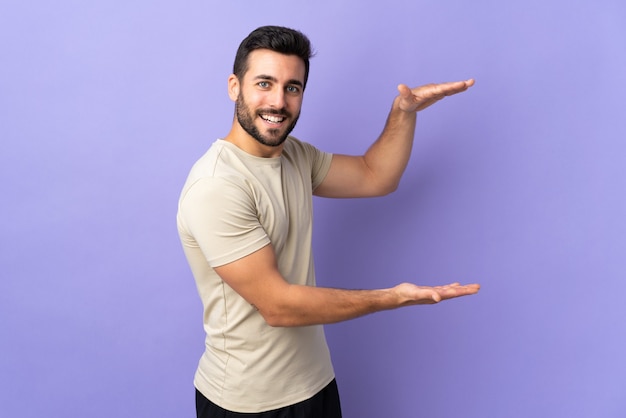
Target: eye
{"points": [[263, 84], [293, 89]]}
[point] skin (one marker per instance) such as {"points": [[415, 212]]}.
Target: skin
{"points": [[273, 85]]}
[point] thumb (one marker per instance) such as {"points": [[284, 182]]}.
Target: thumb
{"points": [[405, 91], [436, 297]]}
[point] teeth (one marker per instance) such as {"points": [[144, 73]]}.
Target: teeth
{"points": [[273, 119]]}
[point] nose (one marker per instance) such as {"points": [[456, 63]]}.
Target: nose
{"points": [[276, 98]]}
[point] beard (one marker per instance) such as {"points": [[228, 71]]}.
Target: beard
{"points": [[273, 137]]}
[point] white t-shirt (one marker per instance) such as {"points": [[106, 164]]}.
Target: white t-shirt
{"points": [[232, 205]]}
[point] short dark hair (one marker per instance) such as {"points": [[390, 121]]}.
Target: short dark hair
{"points": [[275, 38]]}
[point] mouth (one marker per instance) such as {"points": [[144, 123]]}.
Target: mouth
{"points": [[272, 119]]}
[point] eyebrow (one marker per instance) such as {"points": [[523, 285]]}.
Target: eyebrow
{"points": [[273, 79]]}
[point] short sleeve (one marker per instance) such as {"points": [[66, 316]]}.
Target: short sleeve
{"points": [[220, 215], [319, 161]]}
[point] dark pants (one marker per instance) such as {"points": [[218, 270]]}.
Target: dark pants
{"points": [[325, 404]]}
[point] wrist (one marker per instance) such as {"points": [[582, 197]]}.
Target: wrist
{"points": [[401, 111]]}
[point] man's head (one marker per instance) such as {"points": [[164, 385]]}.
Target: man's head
{"points": [[267, 85], [275, 38]]}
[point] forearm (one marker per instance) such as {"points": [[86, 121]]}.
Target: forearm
{"points": [[388, 157], [379, 171], [256, 278], [307, 305]]}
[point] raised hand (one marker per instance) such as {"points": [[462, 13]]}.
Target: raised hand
{"points": [[419, 98]]}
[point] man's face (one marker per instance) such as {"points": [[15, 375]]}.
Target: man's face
{"points": [[270, 96]]}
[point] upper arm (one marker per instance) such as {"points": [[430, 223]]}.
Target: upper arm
{"points": [[220, 217], [256, 278], [349, 176]]}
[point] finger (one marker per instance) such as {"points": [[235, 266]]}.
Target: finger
{"points": [[405, 91], [436, 297], [442, 90], [448, 286], [457, 291], [455, 284], [474, 288], [463, 84], [457, 86]]}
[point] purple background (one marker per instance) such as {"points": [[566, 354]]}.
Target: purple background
{"points": [[518, 184]]}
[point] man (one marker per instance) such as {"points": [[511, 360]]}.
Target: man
{"points": [[244, 220]]}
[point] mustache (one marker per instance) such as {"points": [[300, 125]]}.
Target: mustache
{"points": [[274, 112]]}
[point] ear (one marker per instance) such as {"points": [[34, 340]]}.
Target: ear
{"points": [[233, 87]]}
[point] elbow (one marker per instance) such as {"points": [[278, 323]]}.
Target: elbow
{"points": [[380, 185], [387, 189], [275, 319], [391, 189], [286, 310]]}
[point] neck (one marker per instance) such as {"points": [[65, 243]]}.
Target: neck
{"points": [[242, 139]]}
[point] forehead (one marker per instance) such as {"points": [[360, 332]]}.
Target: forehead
{"points": [[280, 66]]}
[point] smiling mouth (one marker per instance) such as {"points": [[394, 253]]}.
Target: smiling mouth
{"points": [[272, 118]]}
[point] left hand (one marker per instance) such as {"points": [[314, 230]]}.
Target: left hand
{"points": [[411, 294], [419, 98]]}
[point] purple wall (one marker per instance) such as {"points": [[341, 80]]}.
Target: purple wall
{"points": [[518, 184]]}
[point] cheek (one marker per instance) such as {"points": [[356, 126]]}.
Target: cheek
{"points": [[253, 99], [297, 108], [294, 103]]}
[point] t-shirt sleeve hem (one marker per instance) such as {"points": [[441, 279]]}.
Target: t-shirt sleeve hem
{"points": [[239, 253]]}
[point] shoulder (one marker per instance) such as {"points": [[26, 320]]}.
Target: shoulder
{"points": [[215, 162], [215, 191], [217, 171], [300, 151], [294, 146], [214, 181]]}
